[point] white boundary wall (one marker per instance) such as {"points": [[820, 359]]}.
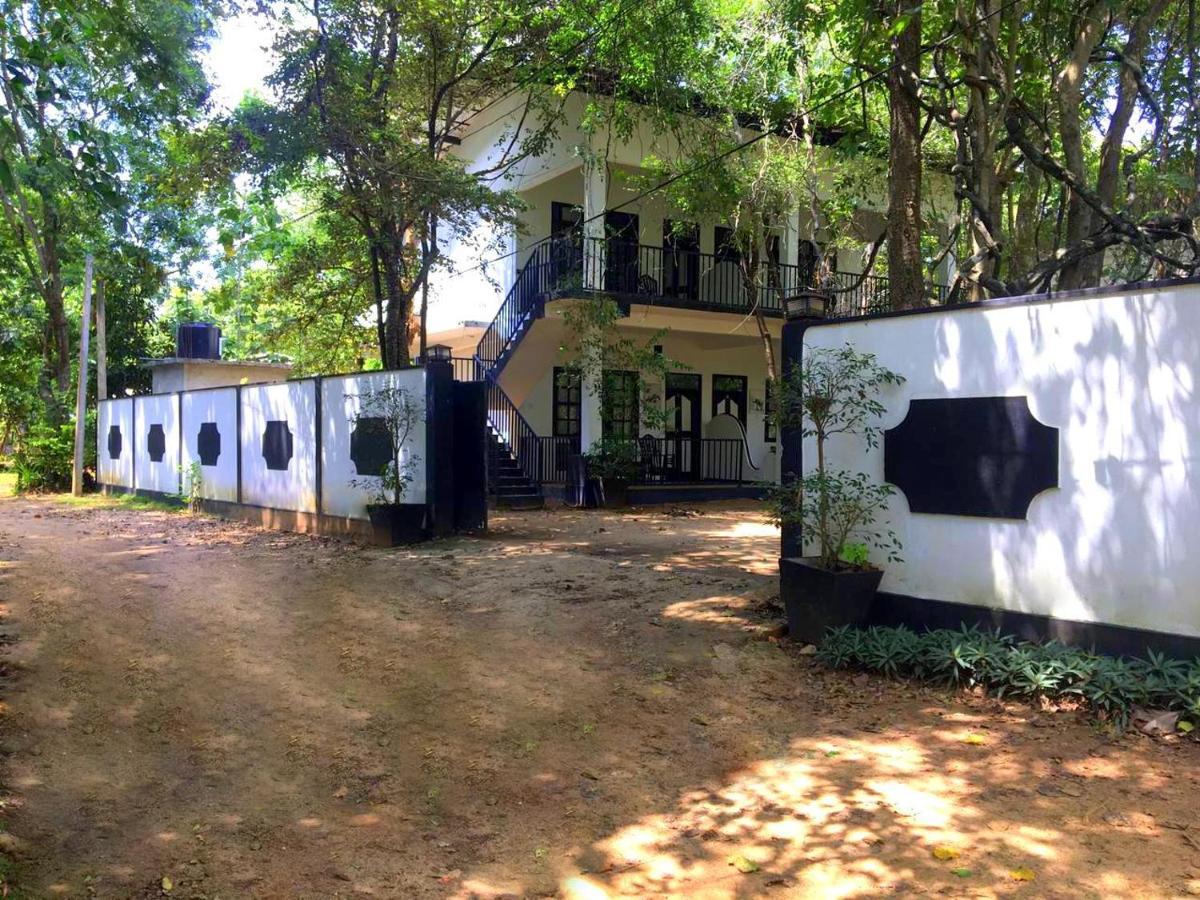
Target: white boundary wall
{"points": [[1119, 374], [241, 460], [152, 415], [212, 408]]}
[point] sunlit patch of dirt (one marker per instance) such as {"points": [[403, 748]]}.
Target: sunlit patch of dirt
{"points": [[580, 704]]}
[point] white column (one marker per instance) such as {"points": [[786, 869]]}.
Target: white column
{"points": [[590, 425], [595, 201]]}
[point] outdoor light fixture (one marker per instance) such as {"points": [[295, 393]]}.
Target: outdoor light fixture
{"points": [[438, 352], [808, 304]]}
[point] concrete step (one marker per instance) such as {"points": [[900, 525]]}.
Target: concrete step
{"points": [[520, 501]]}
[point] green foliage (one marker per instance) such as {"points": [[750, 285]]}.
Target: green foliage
{"points": [[834, 391], [613, 458], [399, 412], [1007, 667], [191, 485], [595, 345], [45, 457]]}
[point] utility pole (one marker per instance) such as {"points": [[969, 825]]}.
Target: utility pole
{"points": [[81, 390], [101, 345]]}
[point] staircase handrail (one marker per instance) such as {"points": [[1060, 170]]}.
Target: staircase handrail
{"points": [[506, 420]]}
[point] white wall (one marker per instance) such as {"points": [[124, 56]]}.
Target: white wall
{"points": [[294, 488], [1118, 375], [217, 482], [117, 472], [149, 411], [340, 403]]}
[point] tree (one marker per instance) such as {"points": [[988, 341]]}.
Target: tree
{"points": [[906, 270], [371, 95], [84, 86]]}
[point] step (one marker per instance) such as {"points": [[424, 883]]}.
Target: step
{"points": [[520, 501], [514, 490]]}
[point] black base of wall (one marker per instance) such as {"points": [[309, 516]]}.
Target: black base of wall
{"points": [[919, 614]]}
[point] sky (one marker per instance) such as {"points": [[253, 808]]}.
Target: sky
{"points": [[238, 60]]}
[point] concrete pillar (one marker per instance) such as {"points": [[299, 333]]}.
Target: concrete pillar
{"points": [[595, 201], [591, 426]]}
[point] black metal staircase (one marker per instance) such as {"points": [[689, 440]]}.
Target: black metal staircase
{"points": [[514, 465]]}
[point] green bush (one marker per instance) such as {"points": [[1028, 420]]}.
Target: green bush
{"points": [[1007, 667], [44, 458]]}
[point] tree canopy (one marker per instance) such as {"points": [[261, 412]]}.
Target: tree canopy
{"points": [[1020, 145]]}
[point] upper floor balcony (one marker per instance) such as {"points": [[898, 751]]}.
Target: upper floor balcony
{"points": [[678, 275]]}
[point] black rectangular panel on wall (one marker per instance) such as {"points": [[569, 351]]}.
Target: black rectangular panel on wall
{"points": [[971, 456]]}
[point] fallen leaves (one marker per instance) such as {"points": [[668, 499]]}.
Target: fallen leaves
{"points": [[945, 853], [743, 864], [1022, 874]]}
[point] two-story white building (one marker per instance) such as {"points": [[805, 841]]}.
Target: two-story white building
{"points": [[581, 236]]}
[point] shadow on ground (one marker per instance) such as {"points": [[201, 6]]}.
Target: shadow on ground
{"points": [[579, 704]]}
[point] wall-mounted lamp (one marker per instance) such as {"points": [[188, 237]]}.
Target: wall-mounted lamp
{"points": [[808, 304]]}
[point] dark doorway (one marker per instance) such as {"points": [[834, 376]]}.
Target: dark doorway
{"points": [[729, 396], [681, 260], [621, 268], [682, 458], [566, 246], [809, 263]]}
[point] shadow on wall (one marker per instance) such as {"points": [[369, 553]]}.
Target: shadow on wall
{"points": [[1117, 375]]}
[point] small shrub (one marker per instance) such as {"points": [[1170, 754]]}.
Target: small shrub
{"points": [[44, 459], [1007, 667]]}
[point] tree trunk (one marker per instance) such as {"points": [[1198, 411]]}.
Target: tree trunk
{"points": [[905, 271], [1070, 100], [1108, 178], [397, 308]]}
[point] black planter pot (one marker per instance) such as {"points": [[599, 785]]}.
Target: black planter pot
{"points": [[398, 523], [818, 599], [614, 493]]}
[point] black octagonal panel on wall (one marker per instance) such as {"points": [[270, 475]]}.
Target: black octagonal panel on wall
{"points": [[277, 445], [156, 443], [370, 446], [971, 456], [208, 443], [114, 441]]}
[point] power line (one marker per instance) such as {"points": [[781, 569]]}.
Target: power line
{"points": [[738, 148]]}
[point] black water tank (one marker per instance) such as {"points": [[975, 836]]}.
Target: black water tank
{"points": [[198, 340]]}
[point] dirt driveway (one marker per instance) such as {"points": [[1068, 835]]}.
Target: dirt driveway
{"points": [[580, 705]]}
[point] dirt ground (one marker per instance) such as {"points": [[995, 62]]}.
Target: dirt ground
{"points": [[580, 705]]}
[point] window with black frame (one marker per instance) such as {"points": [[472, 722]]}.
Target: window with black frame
{"points": [[568, 403], [729, 396], [619, 411], [566, 417]]}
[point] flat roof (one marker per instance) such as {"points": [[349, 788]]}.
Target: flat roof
{"points": [[189, 360]]}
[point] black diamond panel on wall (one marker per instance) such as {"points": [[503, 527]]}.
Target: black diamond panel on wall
{"points": [[370, 446], [208, 443], [277, 445], [156, 443], [971, 456], [114, 441]]}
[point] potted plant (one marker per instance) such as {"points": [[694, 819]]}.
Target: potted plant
{"points": [[383, 424], [834, 391], [614, 463]]}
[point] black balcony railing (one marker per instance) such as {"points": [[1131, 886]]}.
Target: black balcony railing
{"points": [[694, 280], [660, 459]]}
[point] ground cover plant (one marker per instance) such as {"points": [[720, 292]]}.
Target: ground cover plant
{"points": [[1004, 666]]}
